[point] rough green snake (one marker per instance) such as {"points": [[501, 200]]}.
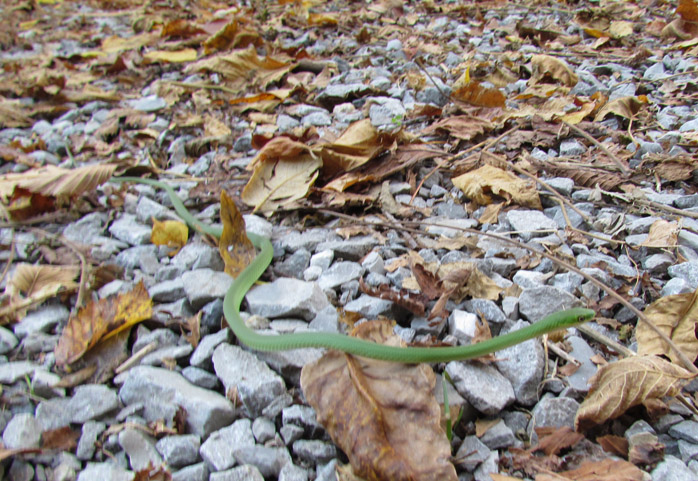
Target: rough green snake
{"points": [[410, 355]]}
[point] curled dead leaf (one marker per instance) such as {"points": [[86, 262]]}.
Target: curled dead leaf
{"points": [[546, 66], [618, 386]]}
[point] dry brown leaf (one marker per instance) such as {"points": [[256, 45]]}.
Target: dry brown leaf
{"points": [[645, 449], [484, 425], [358, 144], [491, 214], [13, 114], [233, 35], [474, 93], [62, 439], [101, 319], [382, 415], [663, 234], [54, 181], [171, 233], [171, 56], [415, 303], [626, 107], [34, 280], [502, 477], [617, 445], [465, 127], [618, 386], [281, 182], [235, 247], [213, 127], [243, 68], [676, 316], [547, 67], [479, 186], [604, 470], [553, 440]]}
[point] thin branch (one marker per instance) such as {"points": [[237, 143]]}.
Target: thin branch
{"points": [[598, 144]]}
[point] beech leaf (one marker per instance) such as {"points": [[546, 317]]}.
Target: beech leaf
{"points": [[383, 415], [620, 385]]}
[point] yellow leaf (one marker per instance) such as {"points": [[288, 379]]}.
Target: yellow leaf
{"points": [[171, 233], [213, 127], [676, 316], [322, 19], [118, 44], [100, 320], [620, 385], [178, 56], [575, 117], [236, 249], [480, 184]]}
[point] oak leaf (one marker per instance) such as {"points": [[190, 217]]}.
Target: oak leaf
{"points": [[383, 415], [676, 316], [618, 386]]}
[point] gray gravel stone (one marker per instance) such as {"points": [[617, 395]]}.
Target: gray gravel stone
{"points": [[554, 412], [471, 453], [256, 384], [179, 451], [672, 469], [88, 439], [269, 460], [44, 319], [195, 472], [582, 352], [571, 147], [314, 451], [481, 385], [499, 436], [159, 390], [241, 473], [140, 449], [287, 298], [129, 230], [537, 302], [11, 372], [528, 222], [340, 273], [204, 285], [291, 472], [686, 430], [196, 255], [523, 365], [218, 449], [103, 471], [8, 341], [23, 431], [91, 401]]}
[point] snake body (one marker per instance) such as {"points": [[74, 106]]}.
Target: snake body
{"points": [[359, 347]]}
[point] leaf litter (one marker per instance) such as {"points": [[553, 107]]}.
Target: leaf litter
{"points": [[258, 75]]}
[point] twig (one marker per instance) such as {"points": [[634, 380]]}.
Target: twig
{"points": [[562, 354], [10, 258], [598, 144], [605, 340], [136, 357], [418, 61], [612, 293]]}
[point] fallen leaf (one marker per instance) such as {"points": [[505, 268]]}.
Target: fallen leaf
{"points": [[55, 181], [382, 415], [620, 385], [676, 316], [479, 186], [553, 440], [491, 214], [415, 303], [626, 107], [464, 127], [31, 280], [617, 445], [645, 449], [170, 233], [484, 425], [604, 470], [358, 144], [663, 234], [548, 67], [280, 182], [101, 319], [235, 247], [176, 56], [243, 68], [62, 439], [621, 29], [475, 93]]}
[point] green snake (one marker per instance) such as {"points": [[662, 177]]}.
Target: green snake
{"points": [[410, 355]]}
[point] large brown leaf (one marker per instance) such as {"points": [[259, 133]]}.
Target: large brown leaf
{"points": [[676, 316], [620, 385], [383, 415], [54, 181]]}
